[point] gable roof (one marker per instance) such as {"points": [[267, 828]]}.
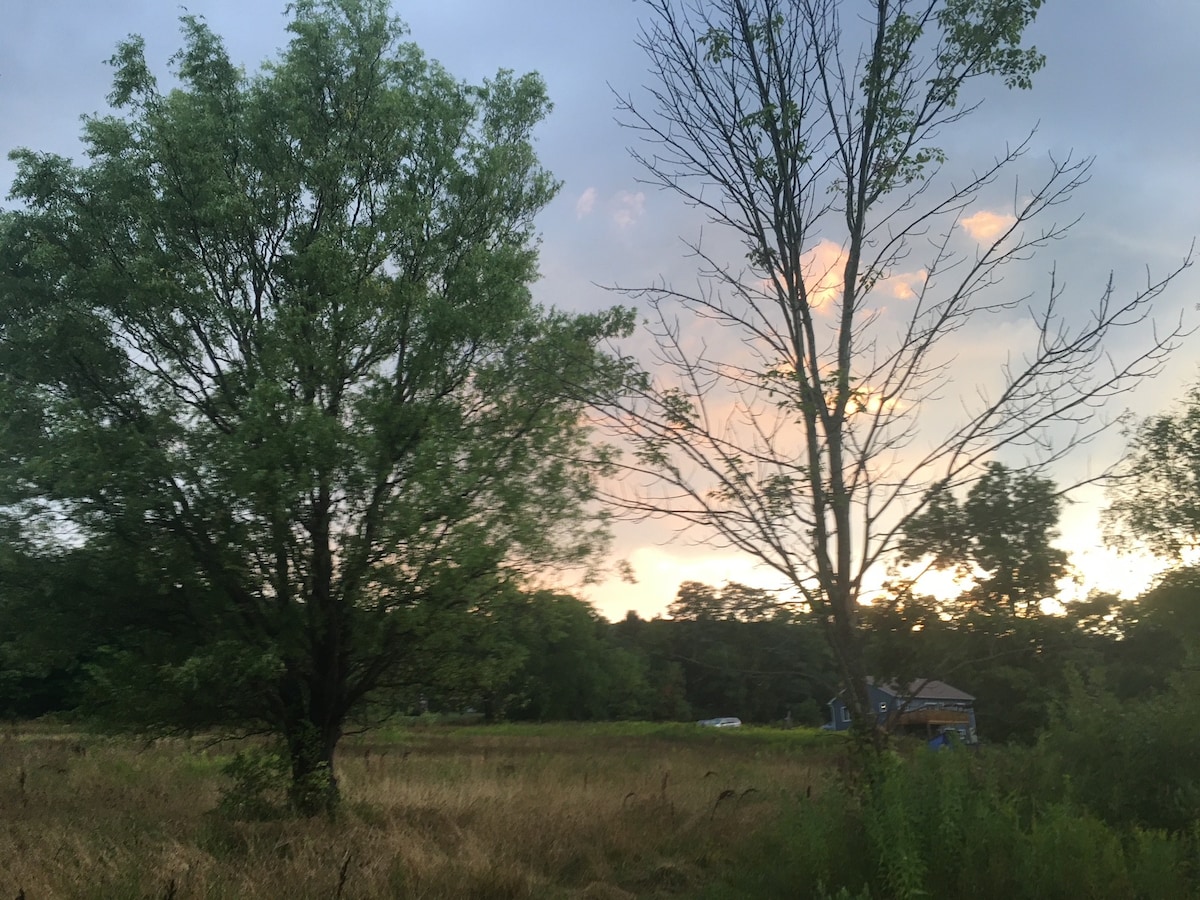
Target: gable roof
{"points": [[923, 689]]}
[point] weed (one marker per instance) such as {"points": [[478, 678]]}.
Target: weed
{"points": [[259, 785]]}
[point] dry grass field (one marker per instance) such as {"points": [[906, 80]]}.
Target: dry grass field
{"points": [[599, 812]]}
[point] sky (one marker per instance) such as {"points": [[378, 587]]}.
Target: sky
{"points": [[1122, 83]]}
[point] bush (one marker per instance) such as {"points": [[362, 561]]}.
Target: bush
{"points": [[259, 788], [1132, 763], [960, 824]]}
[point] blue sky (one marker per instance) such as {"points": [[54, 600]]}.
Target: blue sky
{"points": [[1122, 82]]}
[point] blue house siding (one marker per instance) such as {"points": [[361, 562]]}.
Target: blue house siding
{"points": [[925, 705]]}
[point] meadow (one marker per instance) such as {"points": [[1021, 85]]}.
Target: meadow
{"points": [[598, 812], [593, 812]]}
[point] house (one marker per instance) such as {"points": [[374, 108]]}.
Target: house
{"points": [[925, 707]]}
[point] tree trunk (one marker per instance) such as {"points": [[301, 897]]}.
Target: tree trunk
{"points": [[311, 727], [314, 788], [846, 639]]}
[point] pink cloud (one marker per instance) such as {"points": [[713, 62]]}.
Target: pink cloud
{"points": [[985, 226], [904, 285]]}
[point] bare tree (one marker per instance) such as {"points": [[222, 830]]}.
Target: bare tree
{"points": [[799, 430]]}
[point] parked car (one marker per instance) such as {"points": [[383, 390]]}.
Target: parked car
{"points": [[722, 722]]}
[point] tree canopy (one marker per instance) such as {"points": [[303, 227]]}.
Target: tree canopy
{"points": [[1155, 503], [273, 341], [1002, 533]]}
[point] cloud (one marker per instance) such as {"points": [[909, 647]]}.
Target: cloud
{"points": [[872, 401], [660, 571], [822, 268], [904, 285], [985, 226], [628, 207], [586, 203]]}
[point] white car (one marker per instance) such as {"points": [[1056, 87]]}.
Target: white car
{"points": [[722, 722]]}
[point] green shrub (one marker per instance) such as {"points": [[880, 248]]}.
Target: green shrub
{"points": [[815, 851], [1133, 762], [259, 785], [1159, 864], [1070, 854], [959, 824], [891, 821]]}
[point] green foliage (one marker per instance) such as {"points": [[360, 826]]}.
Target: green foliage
{"points": [[817, 850], [958, 823], [1157, 639], [1005, 528], [1131, 761], [906, 93], [1155, 503], [891, 831], [549, 657], [988, 34], [740, 651], [1099, 867], [574, 670], [732, 603], [542, 656], [1173, 604], [39, 663], [258, 787], [272, 345], [1160, 864], [1017, 667]]}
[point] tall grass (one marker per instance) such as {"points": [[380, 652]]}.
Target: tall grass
{"points": [[430, 813], [588, 812], [958, 825]]}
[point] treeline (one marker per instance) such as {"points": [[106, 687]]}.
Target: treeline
{"points": [[82, 632], [741, 651], [85, 634]]}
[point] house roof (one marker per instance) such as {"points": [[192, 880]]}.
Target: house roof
{"points": [[923, 689], [918, 689]]}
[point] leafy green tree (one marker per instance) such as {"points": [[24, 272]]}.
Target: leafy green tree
{"points": [[734, 602], [696, 601], [463, 657], [273, 339], [992, 640], [542, 655], [810, 133], [63, 610], [907, 636], [649, 643], [1155, 504], [573, 669], [1002, 534], [744, 652], [40, 662], [1017, 668], [1173, 605], [1159, 636]]}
